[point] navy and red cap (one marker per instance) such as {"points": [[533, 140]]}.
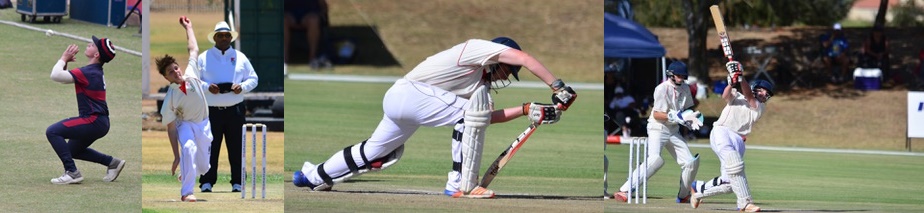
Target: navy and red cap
{"points": [[105, 48]]}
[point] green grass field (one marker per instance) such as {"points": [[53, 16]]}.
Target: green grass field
{"points": [[162, 190], [32, 102], [559, 167], [789, 181], [564, 36]]}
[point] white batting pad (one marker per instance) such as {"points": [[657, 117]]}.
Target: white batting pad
{"points": [[734, 167], [687, 176], [477, 118]]}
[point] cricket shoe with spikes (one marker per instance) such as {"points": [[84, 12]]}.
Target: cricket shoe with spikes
{"points": [[695, 197], [750, 208], [621, 196], [300, 180], [476, 193]]}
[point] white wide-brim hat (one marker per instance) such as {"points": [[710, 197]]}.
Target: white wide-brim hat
{"points": [[222, 27]]}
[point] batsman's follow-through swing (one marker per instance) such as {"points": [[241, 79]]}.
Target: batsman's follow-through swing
{"points": [[450, 88]]}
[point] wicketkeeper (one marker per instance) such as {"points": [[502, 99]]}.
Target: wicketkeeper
{"points": [[186, 113], [727, 138], [437, 93], [671, 99]]}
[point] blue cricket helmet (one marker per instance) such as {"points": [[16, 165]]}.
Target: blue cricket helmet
{"points": [[515, 70], [678, 68], [763, 84]]}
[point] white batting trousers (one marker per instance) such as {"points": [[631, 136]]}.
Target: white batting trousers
{"points": [[195, 140], [660, 135], [729, 147], [408, 105]]}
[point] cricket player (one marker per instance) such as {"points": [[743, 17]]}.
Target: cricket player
{"points": [[438, 92], [71, 138], [671, 98], [186, 114], [727, 138]]}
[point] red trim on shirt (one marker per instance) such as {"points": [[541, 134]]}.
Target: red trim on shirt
{"points": [[79, 121], [79, 78], [183, 88]]}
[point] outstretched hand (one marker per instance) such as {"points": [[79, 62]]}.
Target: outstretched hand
{"points": [[69, 53]]}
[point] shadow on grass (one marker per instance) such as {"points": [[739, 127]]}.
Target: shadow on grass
{"points": [[370, 49], [500, 196], [802, 210]]}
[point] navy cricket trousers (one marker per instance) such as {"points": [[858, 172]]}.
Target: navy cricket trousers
{"points": [[72, 137]]}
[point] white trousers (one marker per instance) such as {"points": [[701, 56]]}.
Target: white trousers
{"points": [[408, 105], [660, 135], [195, 140], [724, 140], [729, 147]]}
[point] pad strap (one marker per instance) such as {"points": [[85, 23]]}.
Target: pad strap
{"points": [[324, 176], [362, 153], [348, 158], [457, 166]]}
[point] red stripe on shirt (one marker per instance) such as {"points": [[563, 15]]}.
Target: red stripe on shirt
{"points": [[99, 95], [79, 77], [80, 121]]}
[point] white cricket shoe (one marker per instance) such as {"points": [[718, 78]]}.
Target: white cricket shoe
{"points": [[308, 167], [476, 193], [112, 174], [750, 208], [188, 198], [68, 178]]}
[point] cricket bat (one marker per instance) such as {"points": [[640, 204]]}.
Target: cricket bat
{"points": [[723, 34], [505, 156]]}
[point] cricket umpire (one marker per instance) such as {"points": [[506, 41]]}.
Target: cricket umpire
{"points": [[229, 75]]}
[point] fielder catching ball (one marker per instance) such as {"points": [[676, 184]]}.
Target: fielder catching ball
{"points": [[671, 99], [186, 113], [93, 122], [727, 139], [448, 88]]}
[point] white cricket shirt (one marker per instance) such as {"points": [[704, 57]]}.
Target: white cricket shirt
{"points": [[738, 115], [231, 67], [668, 96], [189, 105], [458, 69]]}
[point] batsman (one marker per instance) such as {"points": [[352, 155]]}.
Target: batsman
{"points": [[449, 88], [745, 104]]}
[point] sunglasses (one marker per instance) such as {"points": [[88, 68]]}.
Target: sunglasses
{"points": [[223, 35]]}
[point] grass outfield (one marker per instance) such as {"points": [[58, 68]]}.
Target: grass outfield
{"points": [[546, 176], [32, 102], [161, 190], [791, 181], [558, 168], [564, 36]]}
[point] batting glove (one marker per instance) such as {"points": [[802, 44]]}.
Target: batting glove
{"points": [[541, 113], [733, 67], [563, 95]]}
